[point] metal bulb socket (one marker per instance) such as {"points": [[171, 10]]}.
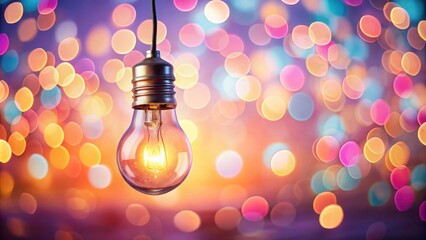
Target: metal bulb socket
{"points": [[153, 86]]}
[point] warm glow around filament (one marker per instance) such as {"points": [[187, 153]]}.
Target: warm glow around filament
{"points": [[154, 157]]}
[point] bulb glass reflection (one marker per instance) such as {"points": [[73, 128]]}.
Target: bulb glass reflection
{"points": [[154, 155]]}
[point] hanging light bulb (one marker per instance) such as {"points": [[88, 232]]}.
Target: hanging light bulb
{"points": [[154, 155]]}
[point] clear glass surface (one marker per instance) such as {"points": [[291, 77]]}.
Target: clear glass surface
{"points": [[154, 155]]}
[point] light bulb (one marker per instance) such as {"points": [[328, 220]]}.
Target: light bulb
{"points": [[154, 155]]}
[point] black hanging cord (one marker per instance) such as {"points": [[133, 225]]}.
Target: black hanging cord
{"points": [[154, 27]]}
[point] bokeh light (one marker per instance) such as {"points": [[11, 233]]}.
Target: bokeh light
{"points": [[276, 26], [273, 108], [399, 154], [59, 157], [17, 143], [216, 39], [410, 63], [137, 214], [37, 166], [227, 218], [4, 43], [248, 88], [24, 99], [216, 11], [123, 41], [370, 26], [13, 12], [198, 96], [331, 216], [6, 151], [229, 164], [400, 177], [124, 15], [399, 17], [379, 194], [99, 176], [258, 35], [89, 155], [10, 60], [68, 49], [422, 134], [319, 33], [110, 70], [283, 163], [37, 59], [374, 149], [46, 22], [327, 148], [185, 5], [422, 211], [404, 198], [191, 35], [28, 203], [144, 32], [66, 29], [237, 64], [418, 174], [255, 208], [48, 77], [27, 30], [98, 41], [350, 154], [186, 76], [301, 106], [187, 221], [317, 65], [47, 6], [323, 200], [292, 77]]}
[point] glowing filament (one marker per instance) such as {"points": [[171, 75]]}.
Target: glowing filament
{"points": [[154, 154]]}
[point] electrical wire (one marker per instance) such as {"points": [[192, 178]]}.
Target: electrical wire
{"points": [[154, 27]]}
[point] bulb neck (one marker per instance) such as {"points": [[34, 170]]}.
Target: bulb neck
{"points": [[153, 86], [140, 116]]}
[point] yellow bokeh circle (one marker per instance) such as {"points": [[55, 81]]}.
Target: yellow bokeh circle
{"points": [[59, 157], [24, 99], [422, 134], [37, 59], [17, 143], [53, 135], [283, 163], [248, 88], [123, 41], [76, 87], [331, 216], [190, 129], [374, 149], [68, 49], [144, 32], [89, 154], [186, 76], [5, 151], [48, 78], [273, 108], [399, 154], [66, 73], [216, 11]]}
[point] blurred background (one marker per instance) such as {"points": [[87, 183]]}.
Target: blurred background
{"points": [[307, 119]]}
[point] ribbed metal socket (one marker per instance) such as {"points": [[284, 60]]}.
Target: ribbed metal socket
{"points": [[153, 86]]}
